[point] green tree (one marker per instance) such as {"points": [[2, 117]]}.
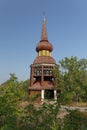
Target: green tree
{"points": [[10, 98], [58, 76], [74, 79], [75, 120], [43, 118]]}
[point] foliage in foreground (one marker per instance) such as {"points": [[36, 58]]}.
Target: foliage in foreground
{"points": [[75, 120], [17, 113]]}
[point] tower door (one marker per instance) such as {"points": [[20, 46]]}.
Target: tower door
{"points": [[49, 94]]}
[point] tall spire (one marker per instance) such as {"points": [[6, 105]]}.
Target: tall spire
{"points": [[44, 32], [44, 43]]}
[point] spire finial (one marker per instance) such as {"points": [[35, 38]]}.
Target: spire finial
{"points": [[44, 15], [44, 32]]}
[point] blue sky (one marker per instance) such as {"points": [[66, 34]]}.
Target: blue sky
{"points": [[20, 31]]}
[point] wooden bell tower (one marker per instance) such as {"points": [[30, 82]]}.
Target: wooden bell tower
{"points": [[42, 80]]}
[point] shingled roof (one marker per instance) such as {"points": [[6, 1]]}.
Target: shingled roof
{"points": [[38, 86], [44, 60]]}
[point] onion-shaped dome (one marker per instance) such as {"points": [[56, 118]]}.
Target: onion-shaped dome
{"points": [[44, 45], [44, 60]]}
